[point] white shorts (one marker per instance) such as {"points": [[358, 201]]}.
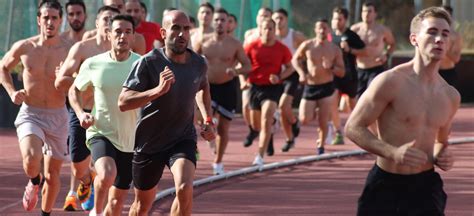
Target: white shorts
{"points": [[50, 125]]}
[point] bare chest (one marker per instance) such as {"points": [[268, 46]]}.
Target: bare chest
{"points": [[219, 52], [42, 62], [371, 36], [319, 54]]}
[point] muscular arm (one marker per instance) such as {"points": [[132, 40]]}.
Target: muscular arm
{"points": [[245, 66], [75, 100], [130, 99], [203, 99], [389, 41], [71, 65], [297, 57], [369, 107], [287, 71], [9, 61], [338, 67]]}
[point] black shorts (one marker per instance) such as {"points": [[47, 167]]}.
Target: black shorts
{"points": [[102, 147], [77, 138], [346, 86], [291, 84], [261, 93], [224, 98], [317, 92], [449, 75], [365, 77], [148, 168], [392, 194]]}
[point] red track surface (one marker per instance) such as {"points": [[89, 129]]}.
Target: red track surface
{"points": [[320, 188]]}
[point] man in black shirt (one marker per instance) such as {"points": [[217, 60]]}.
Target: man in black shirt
{"points": [[352, 46], [165, 83]]}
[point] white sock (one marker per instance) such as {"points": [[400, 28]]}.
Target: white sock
{"points": [[72, 193]]}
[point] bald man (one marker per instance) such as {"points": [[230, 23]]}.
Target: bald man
{"points": [[166, 84]]}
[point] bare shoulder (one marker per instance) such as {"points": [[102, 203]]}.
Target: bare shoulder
{"points": [[25, 44], [453, 94], [356, 26], [393, 79], [89, 34]]}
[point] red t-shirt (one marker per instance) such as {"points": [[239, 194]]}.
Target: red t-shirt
{"points": [[151, 32], [266, 60]]}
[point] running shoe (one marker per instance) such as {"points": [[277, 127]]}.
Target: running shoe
{"points": [[289, 144], [258, 161], [89, 203], [339, 139], [30, 196], [70, 204], [320, 150], [295, 128], [83, 190], [270, 149], [218, 168], [250, 137]]}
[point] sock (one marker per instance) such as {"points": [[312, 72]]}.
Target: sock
{"points": [[36, 180], [72, 193], [43, 213]]}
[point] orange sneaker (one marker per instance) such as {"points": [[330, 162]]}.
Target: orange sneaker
{"points": [[84, 191], [70, 204]]}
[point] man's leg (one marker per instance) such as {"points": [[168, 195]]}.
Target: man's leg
{"points": [[287, 116], [143, 202], [222, 138], [116, 199], [324, 115], [183, 175], [306, 111], [31, 153], [266, 119], [52, 184], [106, 173]]}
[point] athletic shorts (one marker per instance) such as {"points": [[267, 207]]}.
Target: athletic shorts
{"points": [[317, 92], [261, 93], [77, 138], [148, 168], [47, 124], [224, 98], [365, 77], [393, 194], [291, 84], [102, 147], [449, 75], [346, 86]]}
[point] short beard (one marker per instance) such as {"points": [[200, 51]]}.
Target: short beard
{"points": [[78, 28], [178, 51]]}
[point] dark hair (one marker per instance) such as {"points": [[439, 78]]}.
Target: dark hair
{"points": [[369, 4], [192, 20], [282, 11], [170, 9], [233, 16], [436, 12], [123, 17], [222, 10], [449, 9], [143, 5], [266, 9], [108, 8], [341, 10], [322, 20], [76, 2], [208, 5], [54, 4]]}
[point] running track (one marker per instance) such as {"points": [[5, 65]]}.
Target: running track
{"points": [[318, 188]]}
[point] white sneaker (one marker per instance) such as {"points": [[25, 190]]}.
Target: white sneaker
{"points": [[258, 161], [329, 136], [218, 168]]}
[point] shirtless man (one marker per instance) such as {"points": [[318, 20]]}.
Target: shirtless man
{"points": [[414, 108], [204, 16], [447, 68], [323, 61], [222, 51], [138, 46], [80, 154], [231, 25], [76, 17], [251, 35], [379, 44], [41, 131], [292, 39]]}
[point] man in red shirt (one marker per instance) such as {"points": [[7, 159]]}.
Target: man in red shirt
{"points": [[149, 30], [267, 56]]}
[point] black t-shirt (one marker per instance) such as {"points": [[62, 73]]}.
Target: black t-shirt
{"points": [[168, 119], [354, 42]]}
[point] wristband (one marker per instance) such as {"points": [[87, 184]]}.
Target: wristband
{"points": [[208, 120]]}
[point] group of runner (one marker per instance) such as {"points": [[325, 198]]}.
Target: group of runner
{"points": [[130, 115]]}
